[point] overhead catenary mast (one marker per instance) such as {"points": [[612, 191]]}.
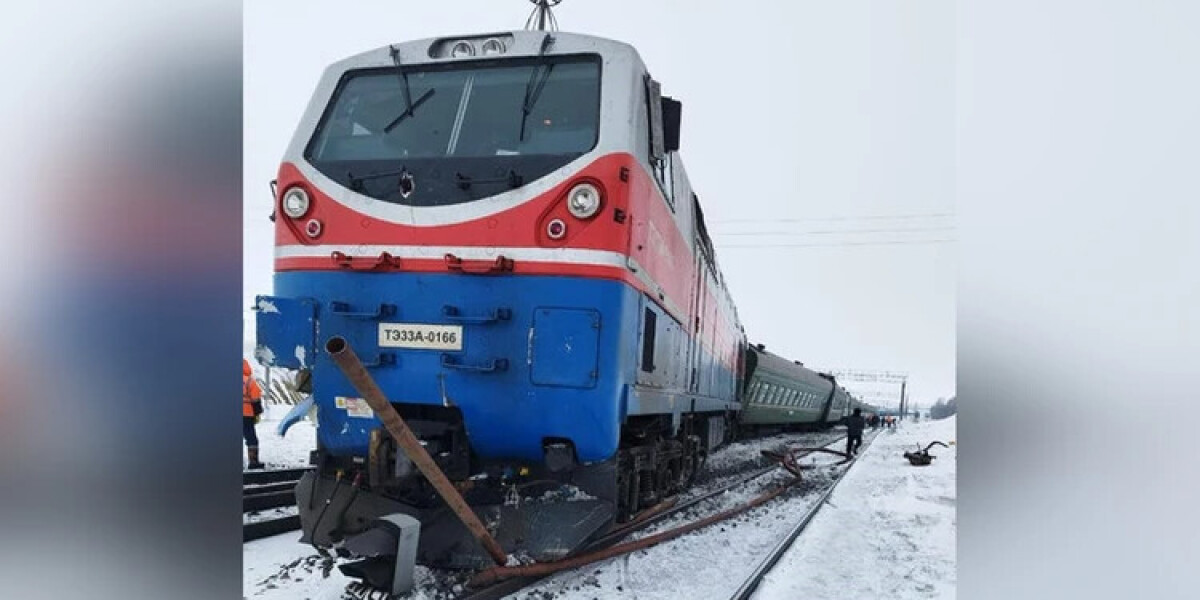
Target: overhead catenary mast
{"points": [[877, 377], [542, 19]]}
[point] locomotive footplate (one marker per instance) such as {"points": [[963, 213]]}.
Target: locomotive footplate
{"points": [[333, 509]]}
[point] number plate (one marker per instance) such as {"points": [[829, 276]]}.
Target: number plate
{"points": [[420, 336]]}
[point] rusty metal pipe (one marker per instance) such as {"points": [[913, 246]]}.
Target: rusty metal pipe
{"points": [[346, 360]]}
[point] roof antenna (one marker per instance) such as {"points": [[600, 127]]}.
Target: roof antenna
{"points": [[541, 19]]}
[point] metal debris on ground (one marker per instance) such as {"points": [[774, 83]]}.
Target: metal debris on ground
{"points": [[922, 457]]}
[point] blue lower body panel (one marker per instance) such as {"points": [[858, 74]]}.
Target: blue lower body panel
{"points": [[525, 359]]}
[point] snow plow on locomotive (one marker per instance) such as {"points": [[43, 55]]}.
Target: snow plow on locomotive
{"points": [[502, 228]]}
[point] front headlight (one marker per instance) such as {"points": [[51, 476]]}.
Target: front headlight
{"points": [[493, 46], [295, 203], [462, 49], [584, 201]]}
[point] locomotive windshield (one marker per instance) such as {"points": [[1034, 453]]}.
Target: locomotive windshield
{"points": [[459, 132]]}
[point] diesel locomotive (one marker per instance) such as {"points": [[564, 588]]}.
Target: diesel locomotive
{"points": [[502, 227]]}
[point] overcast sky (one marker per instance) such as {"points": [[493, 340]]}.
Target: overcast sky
{"points": [[802, 120]]}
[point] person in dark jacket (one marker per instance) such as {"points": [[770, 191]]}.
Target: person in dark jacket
{"points": [[854, 430]]}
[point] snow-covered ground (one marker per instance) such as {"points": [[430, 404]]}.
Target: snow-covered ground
{"points": [[708, 563], [280, 567], [888, 532]]}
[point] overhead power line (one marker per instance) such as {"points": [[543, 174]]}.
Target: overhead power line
{"points": [[839, 218], [835, 231], [838, 244]]}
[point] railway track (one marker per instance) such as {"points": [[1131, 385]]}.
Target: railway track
{"points": [[266, 490], [511, 586], [746, 590]]}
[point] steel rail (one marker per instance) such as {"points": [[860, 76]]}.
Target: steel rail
{"points": [[269, 488], [275, 476], [508, 586], [263, 529], [257, 502], [751, 583]]}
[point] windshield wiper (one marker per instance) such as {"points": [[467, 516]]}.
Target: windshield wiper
{"points": [[409, 105], [512, 179], [533, 90], [356, 181]]}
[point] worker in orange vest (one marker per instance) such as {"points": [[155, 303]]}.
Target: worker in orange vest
{"points": [[251, 409]]}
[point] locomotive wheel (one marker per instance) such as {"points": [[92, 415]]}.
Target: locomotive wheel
{"points": [[688, 471], [666, 480]]}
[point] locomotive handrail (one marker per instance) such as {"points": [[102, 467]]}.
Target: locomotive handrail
{"points": [[383, 359], [452, 313], [479, 266], [492, 366], [342, 309], [383, 261]]}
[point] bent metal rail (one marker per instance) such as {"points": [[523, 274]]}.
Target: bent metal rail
{"points": [[665, 510]]}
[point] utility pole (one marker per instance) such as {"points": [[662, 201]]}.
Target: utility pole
{"points": [[903, 399]]}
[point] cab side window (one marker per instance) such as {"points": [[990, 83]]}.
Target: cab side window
{"points": [[660, 159]]}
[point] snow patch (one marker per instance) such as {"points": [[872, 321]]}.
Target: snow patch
{"points": [[892, 524], [565, 493], [264, 355], [266, 306]]}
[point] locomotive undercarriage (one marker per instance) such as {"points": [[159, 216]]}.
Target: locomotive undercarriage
{"points": [[541, 510], [538, 511], [653, 465]]}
